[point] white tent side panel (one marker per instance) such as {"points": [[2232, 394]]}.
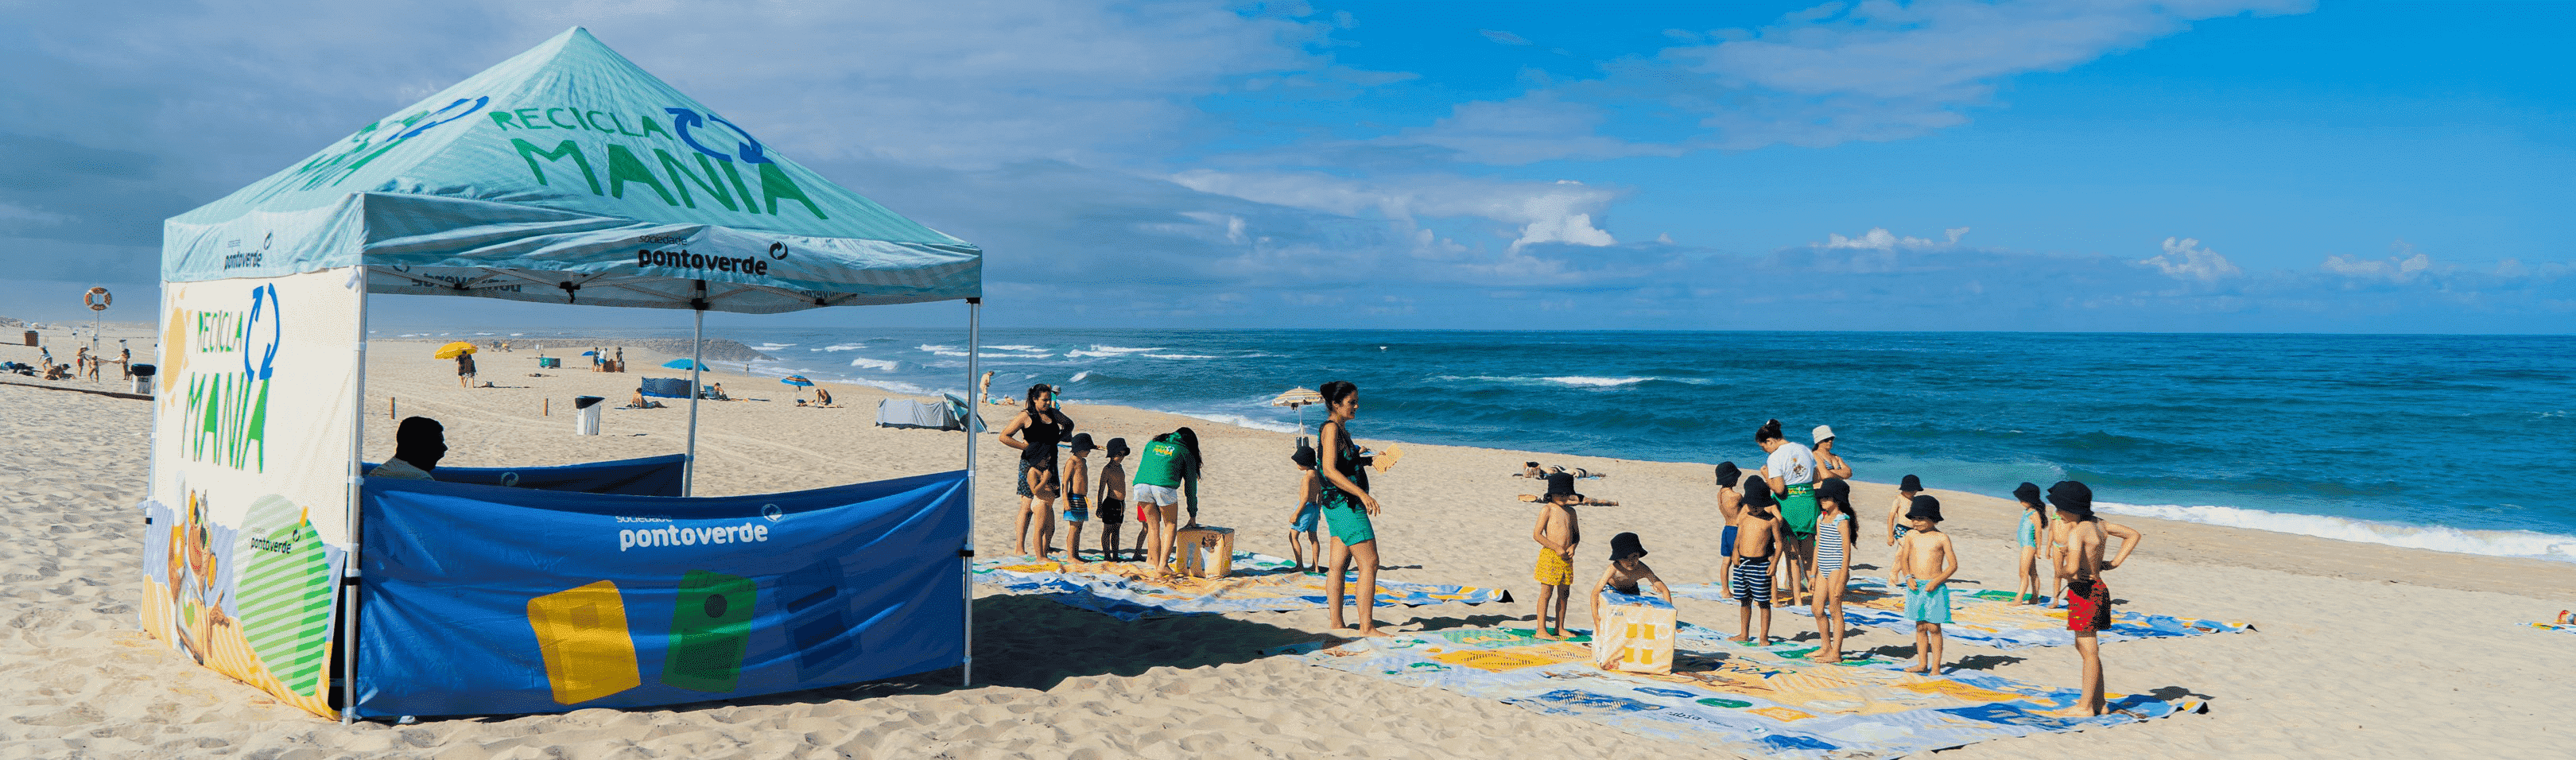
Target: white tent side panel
{"points": [[257, 408]]}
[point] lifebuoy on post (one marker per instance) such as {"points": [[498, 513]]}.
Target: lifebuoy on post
{"points": [[97, 299]]}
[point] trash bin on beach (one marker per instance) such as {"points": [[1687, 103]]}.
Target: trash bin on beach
{"points": [[585, 414], [143, 378], [31, 337]]}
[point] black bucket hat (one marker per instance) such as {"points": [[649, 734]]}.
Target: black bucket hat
{"points": [[1561, 484], [2072, 498], [1757, 493], [1082, 443], [1911, 483], [1305, 456], [2028, 493], [1728, 474], [1117, 447], [1924, 508], [1626, 545], [1835, 489]]}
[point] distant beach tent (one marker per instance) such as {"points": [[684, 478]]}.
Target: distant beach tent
{"points": [[452, 350], [563, 175]]}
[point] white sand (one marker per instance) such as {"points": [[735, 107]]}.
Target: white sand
{"points": [[2363, 650]]}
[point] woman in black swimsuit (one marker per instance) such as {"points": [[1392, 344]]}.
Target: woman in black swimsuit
{"points": [[1038, 427]]}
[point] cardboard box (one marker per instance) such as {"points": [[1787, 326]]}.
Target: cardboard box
{"points": [[1206, 552], [1636, 634]]}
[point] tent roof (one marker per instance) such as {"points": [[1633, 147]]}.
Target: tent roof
{"points": [[569, 174]]}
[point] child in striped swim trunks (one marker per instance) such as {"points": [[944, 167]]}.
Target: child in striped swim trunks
{"points": [[1759, 535]]}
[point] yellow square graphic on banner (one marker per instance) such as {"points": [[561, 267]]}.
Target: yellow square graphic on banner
{"points": [[582, 633]]}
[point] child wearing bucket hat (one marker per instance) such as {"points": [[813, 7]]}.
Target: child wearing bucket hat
{"points": [[1557, 534], [1925, 560], [1077, 505], [1627, 574]]}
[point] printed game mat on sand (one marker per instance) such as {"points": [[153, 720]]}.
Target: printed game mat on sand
{"points": [[1259, 583], [1988, 617], [2565, 623], [1730, 695]]}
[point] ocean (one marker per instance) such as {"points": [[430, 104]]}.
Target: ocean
{"points": [[2451, 443]]}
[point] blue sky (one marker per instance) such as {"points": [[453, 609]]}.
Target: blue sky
{"points": [[2198, 165]]}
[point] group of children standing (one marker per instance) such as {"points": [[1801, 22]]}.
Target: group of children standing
{"points": [[1166, 479], [1797, 528]]}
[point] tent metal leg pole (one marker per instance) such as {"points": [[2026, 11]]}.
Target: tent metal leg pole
{"points": [[349, 569], [697, 363], [974, 411]]}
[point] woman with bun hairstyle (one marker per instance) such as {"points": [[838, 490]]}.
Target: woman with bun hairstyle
{"points": [[1347, 507], [1791, 471]]}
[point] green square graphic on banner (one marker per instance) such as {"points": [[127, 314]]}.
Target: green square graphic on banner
{"points": [[710, 629]]}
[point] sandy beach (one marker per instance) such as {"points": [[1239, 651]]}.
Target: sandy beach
{"points": [[2361, 650]]}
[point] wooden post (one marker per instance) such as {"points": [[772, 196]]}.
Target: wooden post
{"points": [[392, 404], [549, 409]]}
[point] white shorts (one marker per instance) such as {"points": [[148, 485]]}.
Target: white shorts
{"points": [[1153, 494]]}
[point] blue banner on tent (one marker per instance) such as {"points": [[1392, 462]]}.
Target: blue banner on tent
{"points": [[649, 476], [485, 600]]}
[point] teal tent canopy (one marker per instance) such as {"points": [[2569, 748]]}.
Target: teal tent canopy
{"points": [[568, 174]]}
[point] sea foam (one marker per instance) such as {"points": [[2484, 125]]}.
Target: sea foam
{"points": [[2493, 543], [1597, 382], [880, 365]]}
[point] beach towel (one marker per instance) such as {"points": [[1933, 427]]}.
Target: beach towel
{"points": [[1260, 583], [1751, 700], [2565, 623], [1989, 617]]}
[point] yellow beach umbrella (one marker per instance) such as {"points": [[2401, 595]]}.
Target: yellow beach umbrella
{"points": [[450, 350]]}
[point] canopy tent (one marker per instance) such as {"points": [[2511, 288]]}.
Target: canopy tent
{"points": [[563, 175]]}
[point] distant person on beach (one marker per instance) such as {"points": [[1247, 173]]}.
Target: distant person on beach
{"points": [[1925, 560], [1167, 475], [824, 398], [465, 370], [125, 361], [1077, 498], [419, 442], [1905, 492], [1791, 471], [1834, 530], [1760, 534], [1828, 463], [1627, 574], [1730, 505], [1532, 470], [80, 362], [1112, 504], [1558, 533], [1310, 511], [2028, 537], [1035, 432], [1347, 508], [2089, 600], [640, 402]]}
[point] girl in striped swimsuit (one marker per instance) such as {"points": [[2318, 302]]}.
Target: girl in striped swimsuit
{"points": [[1833, 549]]}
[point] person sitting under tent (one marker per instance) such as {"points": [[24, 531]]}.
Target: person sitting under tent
{"points": [[418, 445]]}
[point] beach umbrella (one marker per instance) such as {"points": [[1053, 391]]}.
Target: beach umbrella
{"points": [[590, 353], [679, 364], [1298, 398], [797, 380], [450, 350]]}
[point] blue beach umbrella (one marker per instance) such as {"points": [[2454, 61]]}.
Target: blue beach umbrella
{"points": [[590, 353], [679, 364], [797, 380]]}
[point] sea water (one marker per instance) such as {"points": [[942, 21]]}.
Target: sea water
{"points": [[2453, 443]]}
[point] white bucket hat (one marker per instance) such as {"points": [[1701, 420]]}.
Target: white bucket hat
{"points": [[1824, 433]]}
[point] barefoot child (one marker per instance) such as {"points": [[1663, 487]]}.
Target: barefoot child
{"points": [[1556, 534], [1301, 527], [2034, 525], [1834, 527], [1924, 562], [2088, 609], [1113, 498], [1077, 502], [1627, 570], [1905, 493], [1729, 505], [1759, 535]]}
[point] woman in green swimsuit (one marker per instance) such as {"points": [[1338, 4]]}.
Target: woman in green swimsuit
{"points": [[1347, 507]]}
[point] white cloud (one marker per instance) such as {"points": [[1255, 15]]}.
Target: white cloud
{"points": [[2401, 268], [1539, 212], [1879, 239], [1503, 37], [2185, 259]]}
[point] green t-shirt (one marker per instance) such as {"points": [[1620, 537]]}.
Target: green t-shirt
{"points": [[1161, 463]]}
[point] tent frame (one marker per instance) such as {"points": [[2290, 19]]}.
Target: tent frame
{"points": [[350, 583]]}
